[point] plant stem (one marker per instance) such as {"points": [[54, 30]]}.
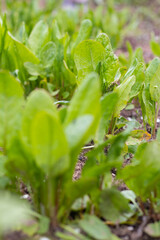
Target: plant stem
{"points": [[141, 204], [112, 125], [155, 123]]}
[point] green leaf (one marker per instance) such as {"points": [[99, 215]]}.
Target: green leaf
{"points": [[9, 86], [131, 196], [43, 225], [155, 85], [123, 91], [48, 54], [111, 63], [34, 69], [158, 135], [95, 228], [38, 36], [118, 142], [138, 55], [70, 76], [49, 144], [38, 100], [155, 48], [149, 106], [22, 52], [108, 103], [131, 70], [81, 203], [88, 54], [151, 70], [153, 229], [143, 170], [71, 233], [113, 205], [77, 130], [84, 31], [13, 211], [74, 190], [86, 99], [11, 100], [140, 77]]}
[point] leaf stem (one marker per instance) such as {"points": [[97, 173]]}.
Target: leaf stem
{"points": [[155, 123]]}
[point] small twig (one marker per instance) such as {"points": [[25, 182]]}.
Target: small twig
{"points": [[88, 147], [61, 102], [139, 232]]}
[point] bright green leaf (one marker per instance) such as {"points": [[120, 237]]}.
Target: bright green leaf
{"points": [[49, 144], [123, 91], [38, 36], [11, 100], [111, 63], [88, 54], [48, 54], [95, 228], [113, 205], [38, 100], [153, 229]]}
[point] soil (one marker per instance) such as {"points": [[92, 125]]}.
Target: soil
{"points": [[148, 24]]}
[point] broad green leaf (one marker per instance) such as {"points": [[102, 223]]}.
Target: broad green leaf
{"points": [[158, 135], [71, 233], [13, 212], [140, 77], [4, 180], [113, 205], [9, 86], [131, 70], [138, 55], [38, 36], [68, 236], [77, 130], [81, 203], [108, 103], [149, 106], [49, 144], [152, 69], [84, 31], [150, 90], [11, 100], [22, 35], [74, 190], [22, 52], [88, 54], [153, 229], [20, 164], [123, 91], [95, 228], [131, 196], [111, 63], [86, 99], [48, 54], [155, 48], [34, 69], [155, 85], [15, 54], [118, 143], [143, 170], [38, 100], [43, 224], [71, 77]]}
